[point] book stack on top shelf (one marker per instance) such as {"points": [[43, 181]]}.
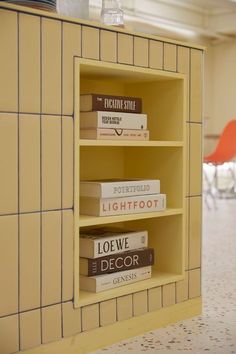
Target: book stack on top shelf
{"points": [[112, 257], [118, 197], [109, 117]]}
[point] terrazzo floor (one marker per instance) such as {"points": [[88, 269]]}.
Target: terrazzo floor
{"points": [[214, 331]]}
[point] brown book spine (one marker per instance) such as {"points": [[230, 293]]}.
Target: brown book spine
{"points": [[116, 103], [120, 262]]}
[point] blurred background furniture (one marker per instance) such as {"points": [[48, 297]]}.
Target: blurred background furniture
{"points": [[223, 156]]}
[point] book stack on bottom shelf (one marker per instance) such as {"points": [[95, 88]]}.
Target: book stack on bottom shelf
{"points": [[109, 117], [112, 257]]}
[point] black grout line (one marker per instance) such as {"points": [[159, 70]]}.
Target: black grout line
{"points": [[37, 114], [37, 308], [177, 59], [132, 304], [35, 212], [161, 295], [18, 169], [99, 314], [62, 117], [99, 45], [41, 224], [73, 179], [175, 292]]}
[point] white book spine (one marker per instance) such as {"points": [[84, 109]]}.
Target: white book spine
{"points": [[121, 206], [115, 134], [102, 119], [119, 189], [109, 281], [105, 246]]}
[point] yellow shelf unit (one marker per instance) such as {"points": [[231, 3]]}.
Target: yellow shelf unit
{"points": [[163, 157]]}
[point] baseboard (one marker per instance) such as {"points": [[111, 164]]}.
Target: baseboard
{"points": [[89, 341]]}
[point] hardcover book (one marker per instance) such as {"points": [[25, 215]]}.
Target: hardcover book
{"points": [[115, 134], [113, 188], [96, 102], [106, 241], [118, 262], [101, 119], [120, 206], [109, 281]]}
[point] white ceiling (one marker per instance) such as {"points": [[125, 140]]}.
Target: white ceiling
{"points": [[214, 20]]}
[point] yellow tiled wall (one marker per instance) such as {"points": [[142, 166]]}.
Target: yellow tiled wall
{"points": [[36, 180]]}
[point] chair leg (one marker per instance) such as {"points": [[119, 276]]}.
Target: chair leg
{"points": [[208, 192]]}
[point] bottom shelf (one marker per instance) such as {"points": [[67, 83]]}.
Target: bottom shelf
{"points": [[157, 279]]}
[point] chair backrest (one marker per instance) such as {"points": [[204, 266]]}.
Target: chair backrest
{"points": [[226, 147]]}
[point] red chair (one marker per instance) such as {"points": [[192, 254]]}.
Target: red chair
{"points": [[225, 151]]}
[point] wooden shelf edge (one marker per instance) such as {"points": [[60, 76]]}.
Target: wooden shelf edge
{"points": [[85, 220], [135, 143]]}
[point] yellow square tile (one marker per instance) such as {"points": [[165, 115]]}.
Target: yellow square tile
{"points": [[51, 324], [9, 334], [196, 85], [183, 66], [140, 303], [187, 188], [90, 317], [29, 63], [156, 55], [9, 265], [168, 295], [125, 48], [71, 47], [124, 307], [90, 42], [51, 258], [194, 283], [154, 299], [9, 168], [107, 312], [71, 319], [183, 60], [195, 232], [67, 254], [182, 289], [195, 159], [51, 162], [108, 46], [141, 51], [8, 61], [30, 329], [51, 66], [67, 162], [170, 57], [187, 234], [29, 162], [29, 261]]}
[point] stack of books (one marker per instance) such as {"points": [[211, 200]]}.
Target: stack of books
{"points": [[117, 197], [112, 257], [112, 117]]}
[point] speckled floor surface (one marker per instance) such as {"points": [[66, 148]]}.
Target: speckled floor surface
{"points": [[214, 331]]}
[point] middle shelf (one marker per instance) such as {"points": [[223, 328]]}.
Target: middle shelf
{"points": [[85, 220], [150, 143]]}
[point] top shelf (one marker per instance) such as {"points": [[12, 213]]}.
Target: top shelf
{"points": [[88, 142]]}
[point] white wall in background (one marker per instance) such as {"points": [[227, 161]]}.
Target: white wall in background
{"points": [[220, 89], [224, 83]]}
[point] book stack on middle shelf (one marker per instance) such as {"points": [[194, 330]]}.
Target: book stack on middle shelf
{"points": [[110, 117], [111, 257], [120, 196]]}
